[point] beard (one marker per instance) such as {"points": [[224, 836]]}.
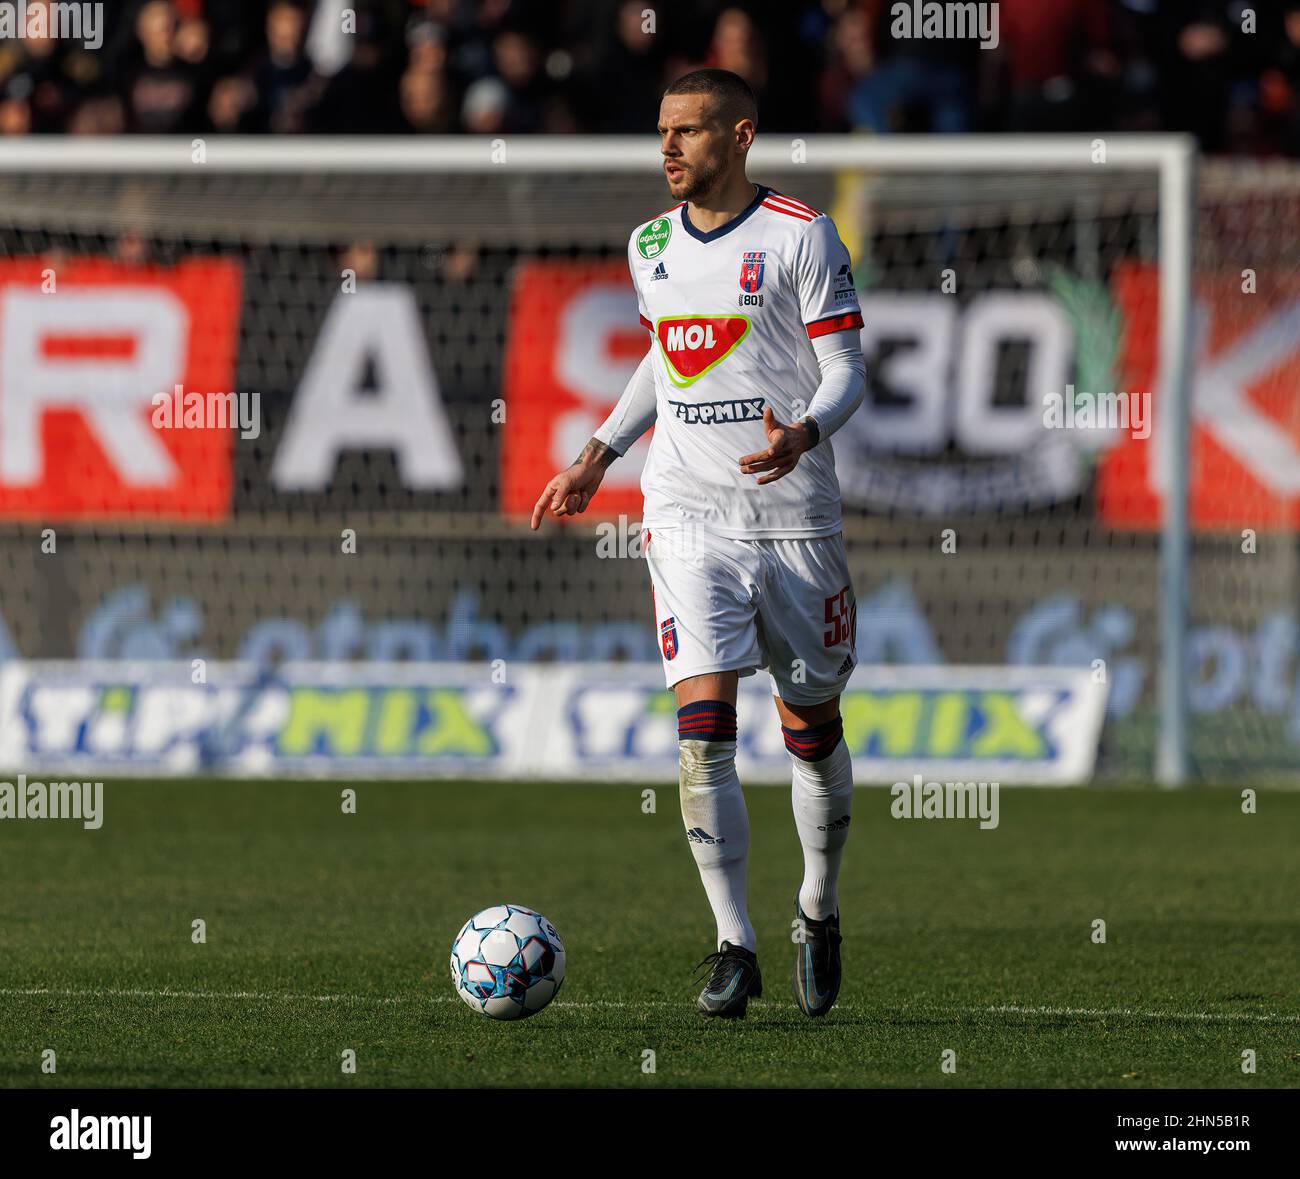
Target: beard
{"points": [[699, 181]]}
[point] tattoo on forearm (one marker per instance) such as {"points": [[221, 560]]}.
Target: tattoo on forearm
{"points": [[597, 452]]}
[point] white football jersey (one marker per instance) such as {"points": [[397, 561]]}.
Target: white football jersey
{"points": [[733, 313]]}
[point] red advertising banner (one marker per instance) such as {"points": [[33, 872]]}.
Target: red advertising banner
{"points": [[574, 341], [86, 345], [1245, 388]]}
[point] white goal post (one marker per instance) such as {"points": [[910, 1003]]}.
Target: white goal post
{"points": [[1172, 159]]}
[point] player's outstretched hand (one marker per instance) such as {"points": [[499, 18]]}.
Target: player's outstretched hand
{"points": [[569, 493], [781, 457]]}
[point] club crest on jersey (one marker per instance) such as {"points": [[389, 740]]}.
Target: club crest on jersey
{"points": [[692, 345], [751, 270], [668, 637]]}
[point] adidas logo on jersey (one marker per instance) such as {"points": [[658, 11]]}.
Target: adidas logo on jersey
{"points": [[699, 835], [660, 271]]}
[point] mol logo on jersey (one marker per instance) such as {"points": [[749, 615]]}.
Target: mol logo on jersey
{"points": [[694, 344]]}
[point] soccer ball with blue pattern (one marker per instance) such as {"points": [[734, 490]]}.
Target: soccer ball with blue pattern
{"points": [[507, 962]]}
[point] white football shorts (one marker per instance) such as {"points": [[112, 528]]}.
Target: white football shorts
{"points": [[740, 605]]}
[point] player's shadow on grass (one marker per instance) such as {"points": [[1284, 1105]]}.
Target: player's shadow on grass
{"points": [[842, 1019], [689, 1020]]}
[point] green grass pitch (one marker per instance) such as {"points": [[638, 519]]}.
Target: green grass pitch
{"points": [[328, 932]]}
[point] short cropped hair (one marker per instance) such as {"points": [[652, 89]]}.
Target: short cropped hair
{"points": [[734, 99]]}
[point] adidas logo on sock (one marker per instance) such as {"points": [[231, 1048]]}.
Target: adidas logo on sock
{"points": [[699, 835], [842, 821]]}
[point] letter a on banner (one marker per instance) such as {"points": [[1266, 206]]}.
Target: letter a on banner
{"points": [[333, 413]]}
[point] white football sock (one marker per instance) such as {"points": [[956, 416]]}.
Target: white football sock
{"points": [[717, 828], [822, 797]]}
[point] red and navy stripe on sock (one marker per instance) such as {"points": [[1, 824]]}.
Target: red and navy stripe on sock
{"points": [[706, 720], [815, 743]]}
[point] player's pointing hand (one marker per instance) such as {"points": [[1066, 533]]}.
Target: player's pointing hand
{"points": [[569, 492], [786, 444]]}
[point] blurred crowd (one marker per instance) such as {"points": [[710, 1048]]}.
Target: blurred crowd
{"points": [[1226, 70]]}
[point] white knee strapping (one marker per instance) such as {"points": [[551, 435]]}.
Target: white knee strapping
{"points": [[713, 804]]}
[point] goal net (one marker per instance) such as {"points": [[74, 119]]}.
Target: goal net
{"points": [[414, 345]]}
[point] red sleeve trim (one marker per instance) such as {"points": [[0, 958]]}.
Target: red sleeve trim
{"points": [[645, 323], [788, 212], [790, 202], [836, 323]]}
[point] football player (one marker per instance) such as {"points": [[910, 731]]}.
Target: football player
{"points": [[754, 363]]}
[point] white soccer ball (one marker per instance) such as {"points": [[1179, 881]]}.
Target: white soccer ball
{"points": [[507, 962]]}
